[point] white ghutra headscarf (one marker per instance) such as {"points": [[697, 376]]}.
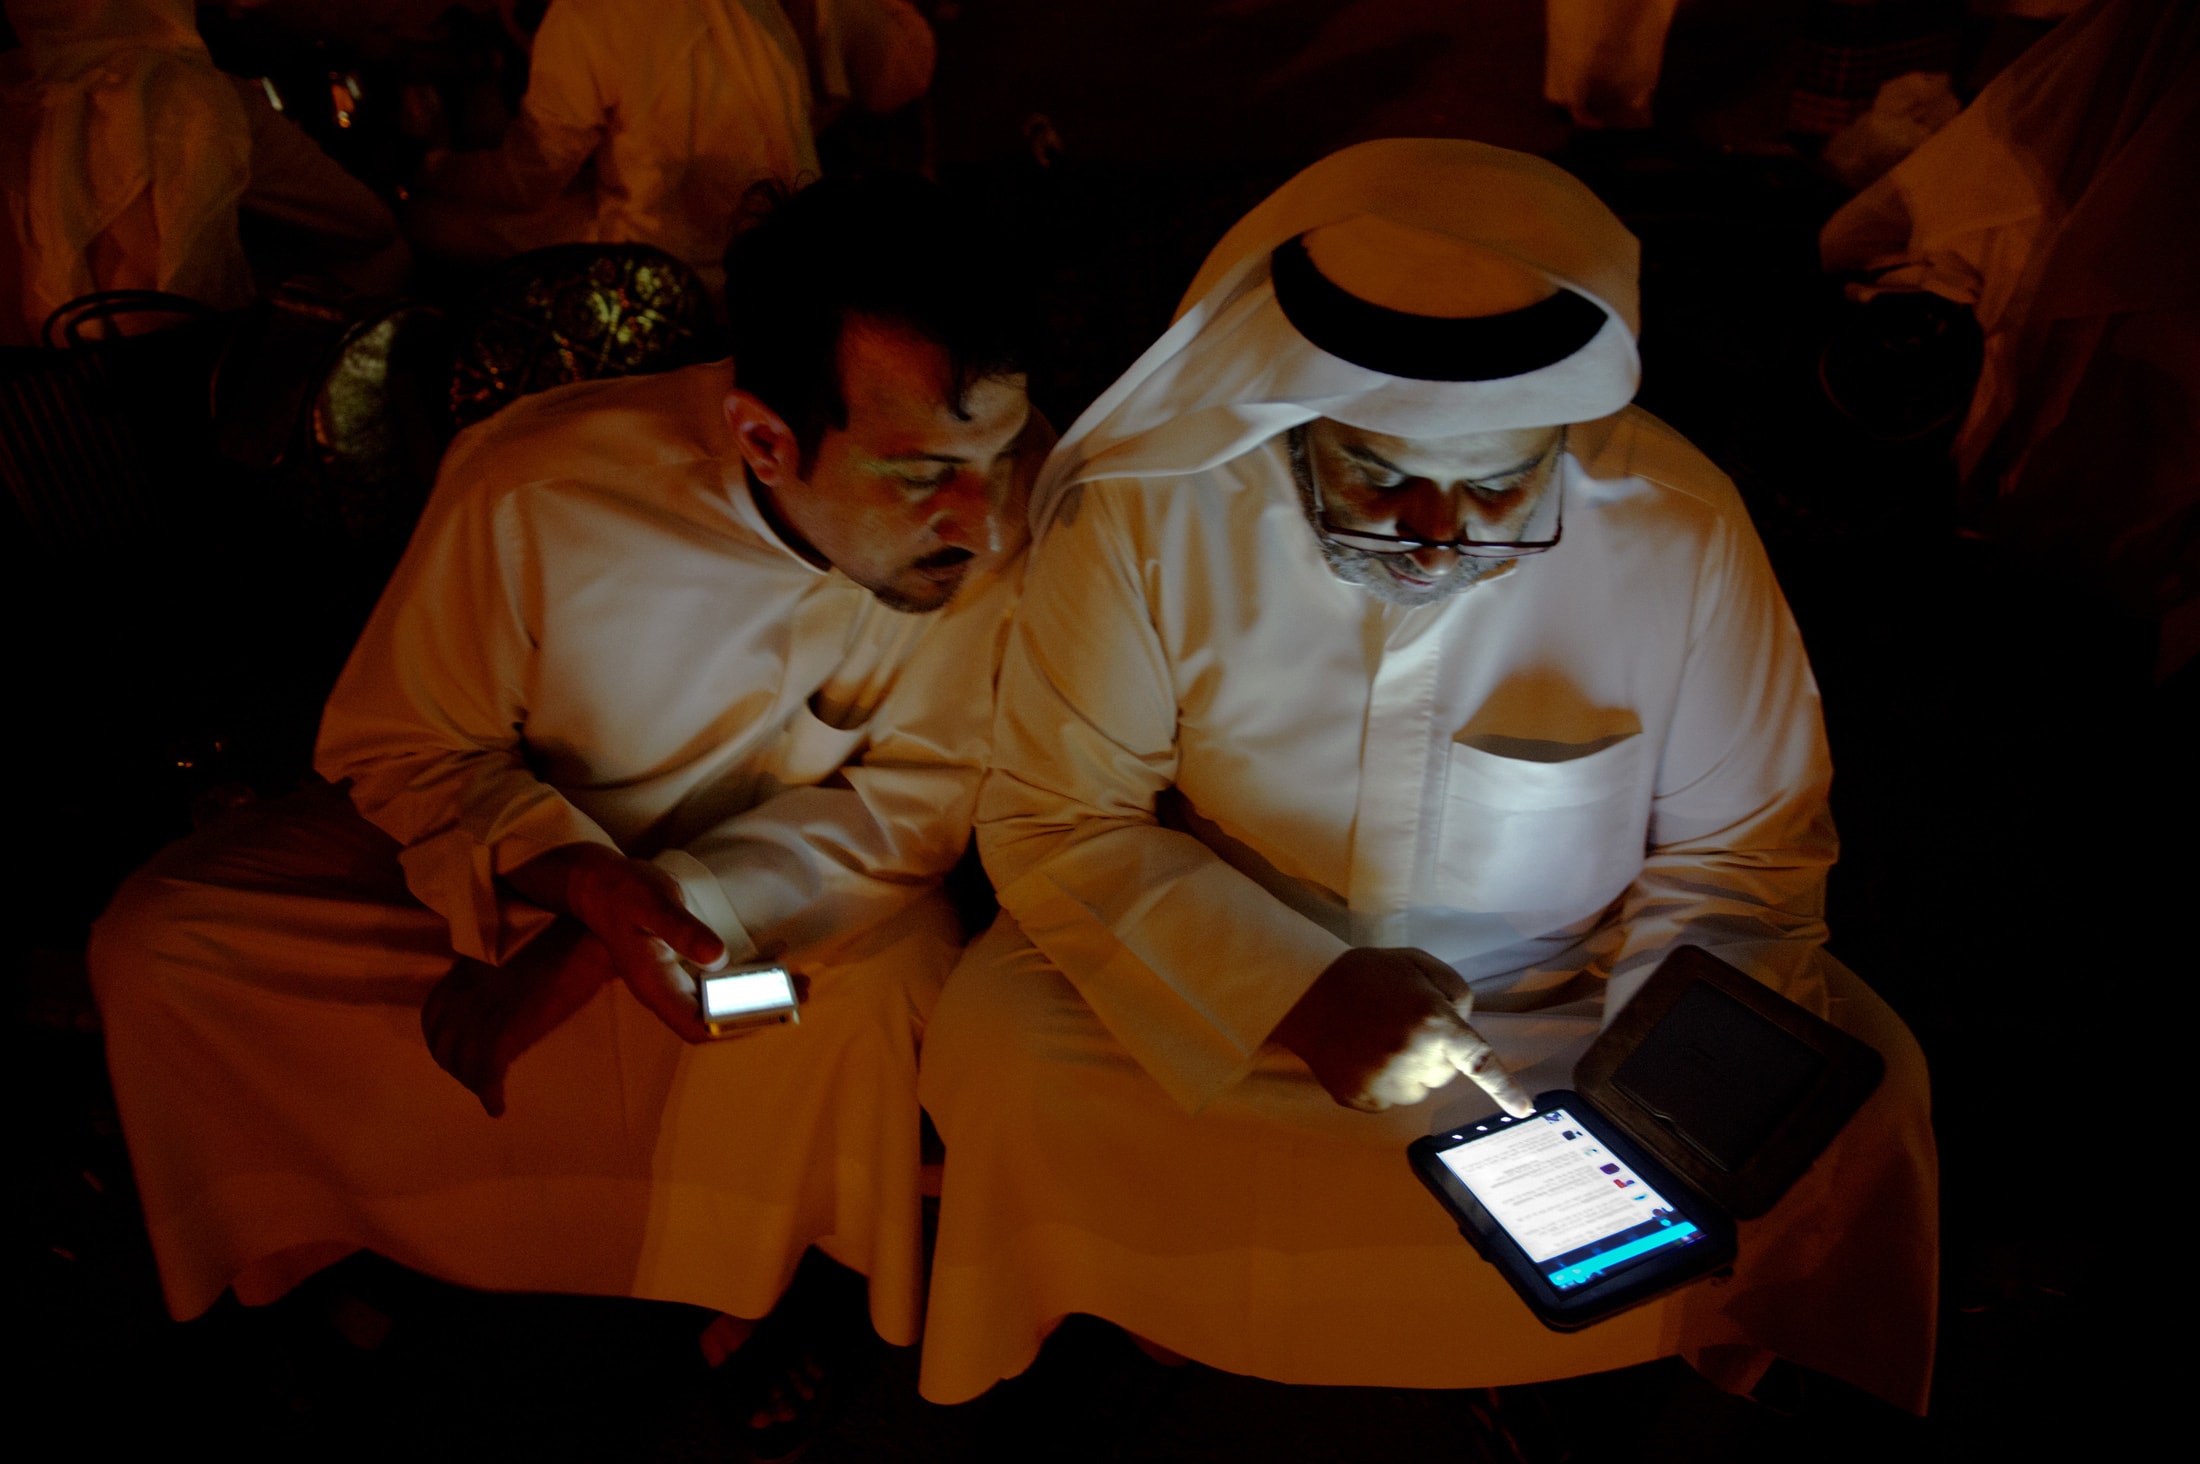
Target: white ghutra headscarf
{"points": [[1385, 252]]}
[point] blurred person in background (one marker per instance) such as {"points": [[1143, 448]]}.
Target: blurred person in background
{"points": [[638, 125], [126, 157], [2049, 208], [867, 57]]}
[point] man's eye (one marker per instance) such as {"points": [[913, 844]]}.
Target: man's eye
{"points": [[926, 484], [1382, 482]]}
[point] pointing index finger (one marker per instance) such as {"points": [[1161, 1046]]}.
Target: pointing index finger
{"points": [[1474, 1056]]}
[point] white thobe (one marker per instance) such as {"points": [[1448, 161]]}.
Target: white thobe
{"points": [[1217, 766], [123, 155], [593, 637], [1601, 58], [682, 112]]}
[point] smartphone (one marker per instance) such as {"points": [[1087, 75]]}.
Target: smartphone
{"points": [[1580, 1220], [746, 997]]}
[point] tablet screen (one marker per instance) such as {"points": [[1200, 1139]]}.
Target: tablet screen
{"points": [[1579, 1211]]}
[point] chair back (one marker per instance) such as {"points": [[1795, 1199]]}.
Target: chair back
{"points": [[333, 401], [104, 429], [576, 312]]}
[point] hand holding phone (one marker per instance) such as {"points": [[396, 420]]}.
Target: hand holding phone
{"points": [[657, 945]]}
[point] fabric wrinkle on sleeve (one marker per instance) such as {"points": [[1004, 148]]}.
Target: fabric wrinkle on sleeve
{"points": [[425, 722], [706, 901], [824, 862], [1189, 963], [1741, 837]]}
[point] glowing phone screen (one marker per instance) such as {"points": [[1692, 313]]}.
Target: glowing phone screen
{"points": [[743, 992], [1577, 1209]]}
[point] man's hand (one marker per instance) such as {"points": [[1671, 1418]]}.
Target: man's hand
{"points": [[1386, 1028], [634, 908], [480, 1018]]}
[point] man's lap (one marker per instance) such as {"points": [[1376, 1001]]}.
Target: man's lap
{"points": [[261, 985], [1279, 1234]]}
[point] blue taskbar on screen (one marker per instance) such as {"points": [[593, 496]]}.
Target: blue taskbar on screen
{"points": [[1619, 1251]]}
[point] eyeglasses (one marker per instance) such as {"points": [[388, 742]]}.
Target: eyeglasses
{"points": [[1372, 543]]}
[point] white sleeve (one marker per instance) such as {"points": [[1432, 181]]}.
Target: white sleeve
{"points": [[825, 863], [1189, 963], [1740, 836], [425, 722]]}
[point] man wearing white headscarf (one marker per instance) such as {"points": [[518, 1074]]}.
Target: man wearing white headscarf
{"points": [[1381, 666]]}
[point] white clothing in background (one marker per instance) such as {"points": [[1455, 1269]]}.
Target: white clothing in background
{"points": [[681, 109], [124, 154], [1602, 57], [593, 637], [1217, 766], [2042, 207], [876, 55]]}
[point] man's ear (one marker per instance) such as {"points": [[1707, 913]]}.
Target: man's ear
{"points": [[766, 443]]}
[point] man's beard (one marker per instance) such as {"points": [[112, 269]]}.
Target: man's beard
{"points": [[925, 602], [1358, 567]]}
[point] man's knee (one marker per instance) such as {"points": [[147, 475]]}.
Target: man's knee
{"points": [[1006, 1018], [1857, 1009], [134, 934]]}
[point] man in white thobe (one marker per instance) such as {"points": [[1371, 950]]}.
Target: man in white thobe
{"points": [[698, 664], [1382, 665], [675, 112]]}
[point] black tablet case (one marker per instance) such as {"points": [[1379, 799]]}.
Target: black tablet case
{"points": [[1733, 1086]]}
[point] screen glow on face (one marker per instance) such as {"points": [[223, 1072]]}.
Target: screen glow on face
{"points": [[1579, 1211], [743, 992]]}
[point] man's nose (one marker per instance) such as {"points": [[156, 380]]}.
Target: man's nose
{"points": [[966, 513], [1429, 510]]}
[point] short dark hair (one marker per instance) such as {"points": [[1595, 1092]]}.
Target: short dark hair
{"points": [[890, 249]]}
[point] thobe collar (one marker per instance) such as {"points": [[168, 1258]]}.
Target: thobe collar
{"points": [[750, 499]]}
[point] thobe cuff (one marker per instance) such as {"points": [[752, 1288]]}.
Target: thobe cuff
{"points": [[706, 900], [454, 873]]}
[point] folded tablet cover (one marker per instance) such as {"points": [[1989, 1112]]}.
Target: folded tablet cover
{"points": [[1731, 1084]]}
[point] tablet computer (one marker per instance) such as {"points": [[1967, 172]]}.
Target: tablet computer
{"points": [[1710, 1093], [1579, 1219]]}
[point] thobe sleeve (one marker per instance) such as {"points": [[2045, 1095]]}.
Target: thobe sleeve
{"points": [[1189, 963], [426, 722], [1740, 835], [824, 863], [559, 126]]}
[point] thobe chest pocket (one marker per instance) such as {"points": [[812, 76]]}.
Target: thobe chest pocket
{"points": [[1520, 834]]}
